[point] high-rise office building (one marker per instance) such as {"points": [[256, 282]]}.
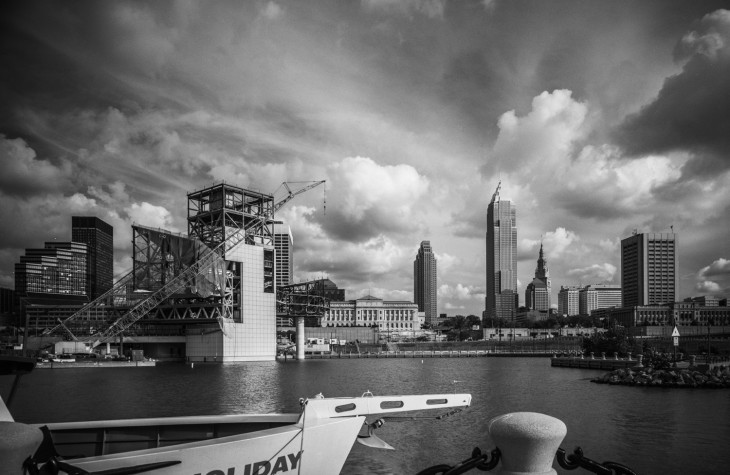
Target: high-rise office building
{"points": [[649, 265], [537, 293], [424, 282], [568, 300], [502, 297], [99, 237], [56, 271], [595, 296], [284, 246]]}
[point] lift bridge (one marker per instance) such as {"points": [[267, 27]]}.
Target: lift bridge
{"points": [[187, 278]]}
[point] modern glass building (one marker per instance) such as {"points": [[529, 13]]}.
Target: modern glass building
{"points": [[502, 298], [99, 237], [649, 264], [424, 282], [59, 269]]}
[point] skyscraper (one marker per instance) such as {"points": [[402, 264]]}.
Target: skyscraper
{"points": [[58, 270], [424, 281], [99, 239], [568, 300], [284, 246], [537, 294], [649, 265], [502, 298]]}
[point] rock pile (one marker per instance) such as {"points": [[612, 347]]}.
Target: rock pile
{"points": [[714, 378]]}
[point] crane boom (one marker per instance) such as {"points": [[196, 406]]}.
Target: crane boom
{"points": [[291, 194]]}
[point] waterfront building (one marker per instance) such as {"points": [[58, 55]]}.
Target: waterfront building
{"points": [[537, 293], [58, 269], [649, 264], [284, 246], [99, 238], [248, 325], [568, 300], [502, 298], [595, 296], [424, 282], [680, 314], [388, 316]]}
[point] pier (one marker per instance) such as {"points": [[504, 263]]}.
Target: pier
{"points": [[428, 354]]}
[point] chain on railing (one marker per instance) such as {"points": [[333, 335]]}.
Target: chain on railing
{"points": [[482, 461], [576, 460]]}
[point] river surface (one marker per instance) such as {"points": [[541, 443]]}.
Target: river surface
{"points": [[651, 430]]}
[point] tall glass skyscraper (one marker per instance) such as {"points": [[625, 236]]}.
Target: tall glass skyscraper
{"points": [[502, 298], [424, 282], [99, 237]]}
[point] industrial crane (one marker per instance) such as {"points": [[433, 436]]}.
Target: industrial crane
{"points": [[141, 308], [291, 194]]}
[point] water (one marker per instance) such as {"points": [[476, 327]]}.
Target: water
{"points": [[652, 430]]}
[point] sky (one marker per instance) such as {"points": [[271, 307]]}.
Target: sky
{"points": [[599, 118]]}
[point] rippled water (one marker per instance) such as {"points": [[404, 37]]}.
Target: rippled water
{"points": [[652, 430]]}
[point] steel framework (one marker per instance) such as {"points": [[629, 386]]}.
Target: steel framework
{"points": [[304, 299], [171, 266]]}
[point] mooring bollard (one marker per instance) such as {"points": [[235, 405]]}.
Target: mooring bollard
{"points": [[17, 443], [527, 442]]}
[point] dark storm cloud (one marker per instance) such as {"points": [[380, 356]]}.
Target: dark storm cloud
{"points": [[692, 111]]}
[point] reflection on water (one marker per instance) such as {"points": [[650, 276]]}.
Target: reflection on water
{"points": [[651, 430]]}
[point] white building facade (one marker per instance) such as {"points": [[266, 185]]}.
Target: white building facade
{"points": [[568, 300], [371, 311], [596, 296]]}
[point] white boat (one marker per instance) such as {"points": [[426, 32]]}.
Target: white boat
{"points": [[317, 440]]}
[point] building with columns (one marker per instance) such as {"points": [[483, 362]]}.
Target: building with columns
{"points": [[371, 311]]}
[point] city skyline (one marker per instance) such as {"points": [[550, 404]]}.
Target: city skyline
{"points": [[599, 118]]}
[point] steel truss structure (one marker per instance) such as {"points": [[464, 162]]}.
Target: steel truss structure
{"points": [[179, 277], [304, 299]]}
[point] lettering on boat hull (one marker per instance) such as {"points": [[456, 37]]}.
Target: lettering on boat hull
{"points": [[282, 464]]}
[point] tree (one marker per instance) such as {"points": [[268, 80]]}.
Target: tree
{"points": [[610, 341]]}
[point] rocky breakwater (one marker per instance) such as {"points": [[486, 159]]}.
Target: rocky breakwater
{"points": [[714, 378]]}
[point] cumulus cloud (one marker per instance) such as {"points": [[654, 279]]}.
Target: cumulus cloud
{"points": [[544, 136], [368, 198], [460, 292], [555, 243], [23, 173], [596, 273], [690, 112], [715, 278]]}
